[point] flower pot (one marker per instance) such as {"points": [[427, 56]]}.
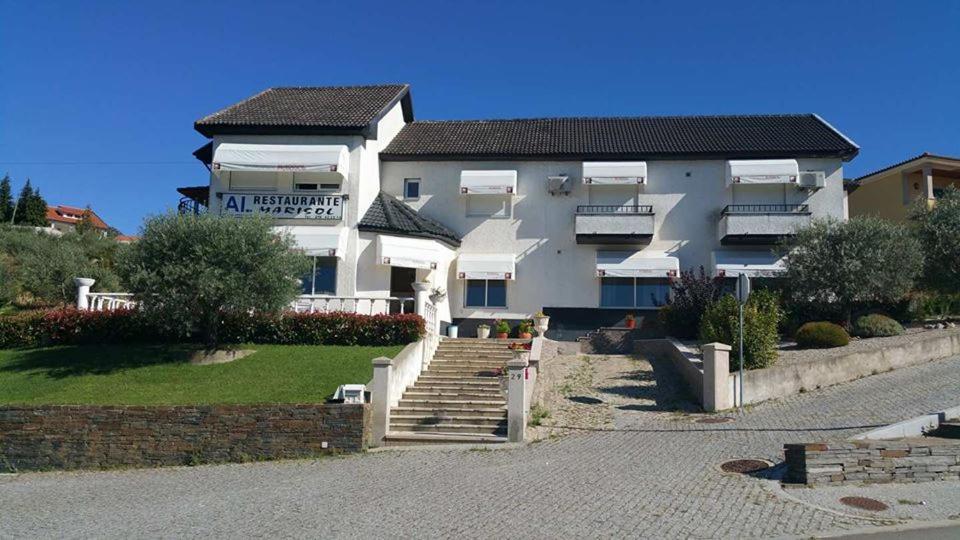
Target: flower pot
{"points": [[525, 335], [631, 323], [483, 332], [540, 324], [503, 335]]}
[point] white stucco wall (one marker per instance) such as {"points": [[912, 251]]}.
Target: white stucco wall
{"points": [[552, 270]]}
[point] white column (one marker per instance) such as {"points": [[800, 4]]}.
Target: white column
{"points": [[421, 295], [83, 291], [380, 398], [927, 185], [717, 394], [516, 399]]}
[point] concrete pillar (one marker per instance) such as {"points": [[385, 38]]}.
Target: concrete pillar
{"points": [[421, 295], [83, 291], [380, 398], [716, 377], [516, 399], [927, 183]]}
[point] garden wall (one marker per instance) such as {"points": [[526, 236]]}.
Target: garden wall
{"points": [[80, 437], [901, 461]]}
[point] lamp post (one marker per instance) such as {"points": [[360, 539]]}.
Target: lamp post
{"points": [[743, 294]]}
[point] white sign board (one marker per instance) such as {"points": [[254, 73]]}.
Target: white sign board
{"points": [[285, 206]]}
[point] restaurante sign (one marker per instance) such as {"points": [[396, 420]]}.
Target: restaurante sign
{"points": [[283, 206]]}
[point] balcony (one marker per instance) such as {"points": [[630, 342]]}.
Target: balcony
{"points": [[614, 224], [761, 224]]}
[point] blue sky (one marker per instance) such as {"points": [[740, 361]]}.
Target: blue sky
{"points": [[98, 99]]}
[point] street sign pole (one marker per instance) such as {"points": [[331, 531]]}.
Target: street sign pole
{"points": [[741, 358], [743, 294]]}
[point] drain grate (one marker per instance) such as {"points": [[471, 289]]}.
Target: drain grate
{"points": [[744, 466], [714, 420], [864, 503]]}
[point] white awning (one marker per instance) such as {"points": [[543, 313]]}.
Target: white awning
{"points": [[409, 252], [762, 171], [486, 266], [319, 241], [751, 263], [614, 172], [636, 264], [282, 157], [488, 182]]}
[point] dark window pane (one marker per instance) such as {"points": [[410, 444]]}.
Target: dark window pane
{"points": [[497, 293], [325, 276], [616, 292], [651, 293], [476, 292], [412, 189]]}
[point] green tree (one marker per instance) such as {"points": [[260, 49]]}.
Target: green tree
{"points": [[841, 266], [31, 209], [188, 270], [6, 200], [85, 224], [938, 229]]}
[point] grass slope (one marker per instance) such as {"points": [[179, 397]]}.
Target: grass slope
{"points": [[162, 375]]}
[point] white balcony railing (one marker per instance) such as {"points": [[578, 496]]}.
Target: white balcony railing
{"points": [[303, 304]]}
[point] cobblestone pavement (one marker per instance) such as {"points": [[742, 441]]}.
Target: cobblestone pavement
{"points": [[652, 473]]}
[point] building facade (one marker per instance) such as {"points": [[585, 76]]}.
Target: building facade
{"points": [[586, 219], [891, 192]]}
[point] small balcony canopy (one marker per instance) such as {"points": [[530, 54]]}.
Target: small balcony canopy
{"points": [[488, 182], [410, 252], [320, 158], [614, 172], [486, 266], [761, 263], [319, 241], [762, 171], [636, 264]]}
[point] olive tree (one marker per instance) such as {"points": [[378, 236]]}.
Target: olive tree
{"points": [[187, 271], [938, 229], [839, 266]]}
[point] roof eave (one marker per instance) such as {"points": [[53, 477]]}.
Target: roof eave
{"points": [[844, 155], [394, 232]]}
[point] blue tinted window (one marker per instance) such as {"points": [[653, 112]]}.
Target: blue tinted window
{"points": [[497, 293], [633, 292], [325, 276], [486, 293], [476, 293], [411, 188], [616, 292], [651, 294]]}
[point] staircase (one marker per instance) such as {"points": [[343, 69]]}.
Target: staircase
{"points": [[457, 399]]}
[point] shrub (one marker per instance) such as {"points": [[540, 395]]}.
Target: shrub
{"points": [[188, 270], [690, 296], [938, 230], [503, 327], [876, 325], [934, 305], [761, 315], [835, 267], [821, 335], [23, 329]]}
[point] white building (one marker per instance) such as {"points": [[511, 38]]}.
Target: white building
{"points": [[585, 218]]}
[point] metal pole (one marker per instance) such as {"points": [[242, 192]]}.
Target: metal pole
{"points": [[741, 358]]}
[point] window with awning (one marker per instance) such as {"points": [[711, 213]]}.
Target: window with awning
{"points": [[636, 264], [488, 182], [614, 172], [762, 171], [319, 158], [486, 266], [751, 263], [409, 252], [319, 241]]}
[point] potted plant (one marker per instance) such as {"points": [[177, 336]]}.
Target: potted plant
{"points": [[503, 329], [540, 323], [519, 350], [525, 330], [483, 331], [630, 321]]}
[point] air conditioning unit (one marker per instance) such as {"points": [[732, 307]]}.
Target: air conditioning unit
{"points": [[559, 185], [811, 180]]}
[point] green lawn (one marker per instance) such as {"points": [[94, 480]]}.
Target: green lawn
{"points": [[162, 375]]}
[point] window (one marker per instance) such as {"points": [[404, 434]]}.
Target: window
{"points": [[486, 293], [313, 186], [628, 292], [252, 181], [411, 189], [323, 278]]}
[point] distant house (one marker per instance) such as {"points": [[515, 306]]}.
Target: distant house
{"points": [[890, 192], [65, 218]]}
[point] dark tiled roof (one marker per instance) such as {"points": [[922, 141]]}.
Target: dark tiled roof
{"points": [[798, 135], [390, 216], [308, 109], [904, 162]]}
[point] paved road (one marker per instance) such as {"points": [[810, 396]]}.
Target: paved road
{"points": [[654, 474]]}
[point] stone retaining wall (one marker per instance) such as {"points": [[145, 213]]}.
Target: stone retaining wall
{"points": [[78, 437], [918, 459]]}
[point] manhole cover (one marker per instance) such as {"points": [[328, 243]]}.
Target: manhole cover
{"points": [[714, 420], [744, 466], [864, 503]]}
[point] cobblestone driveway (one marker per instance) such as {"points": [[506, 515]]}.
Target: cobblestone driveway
{"points": [[651, 474]]}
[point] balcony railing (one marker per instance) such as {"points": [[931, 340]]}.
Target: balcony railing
{"points": [[614, 209], [766, 209], [190, 206]]}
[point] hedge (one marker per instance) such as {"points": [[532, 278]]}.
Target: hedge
{"points": [[876, 325], [821, 335], [73, 327]]}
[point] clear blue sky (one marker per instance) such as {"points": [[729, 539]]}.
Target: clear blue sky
{"points": [[98, 99]]}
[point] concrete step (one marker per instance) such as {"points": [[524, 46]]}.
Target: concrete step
{"points": [[487, 412], [467, 371], [450, 428], [397, 421], [474, 355], [455, 388], [434, 377], [483, 340], [407, 438], [467, 364], [448, 402], [443, 396]]}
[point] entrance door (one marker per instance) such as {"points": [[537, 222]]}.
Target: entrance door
{"points": [[401, 284]]}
